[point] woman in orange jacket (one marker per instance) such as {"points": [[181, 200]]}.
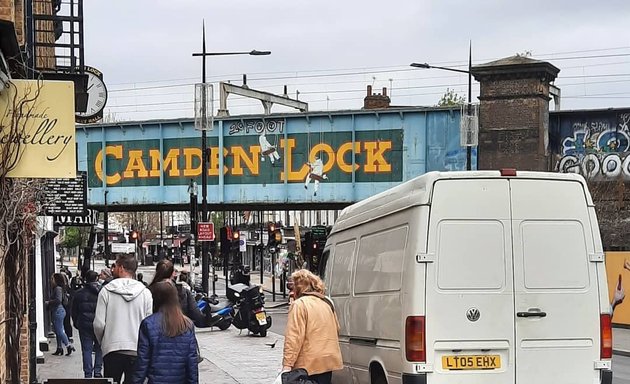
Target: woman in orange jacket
{"points": [[311, 338]]}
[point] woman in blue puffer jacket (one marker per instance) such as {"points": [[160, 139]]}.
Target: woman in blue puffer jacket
{"points": [[167, 347]]}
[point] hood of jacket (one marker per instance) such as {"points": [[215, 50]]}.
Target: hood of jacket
{"points": [[129, 289], [93, 288]]}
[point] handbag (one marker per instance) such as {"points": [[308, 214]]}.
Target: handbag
{"points": [[296, 376]]}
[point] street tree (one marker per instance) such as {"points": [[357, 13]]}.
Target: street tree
{"points": [[146, 224], [72, 238], [450, 99]]}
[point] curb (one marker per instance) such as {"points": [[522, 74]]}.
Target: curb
{"points": [[280, 305], [621, 352]]}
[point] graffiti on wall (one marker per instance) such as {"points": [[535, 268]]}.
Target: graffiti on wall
{"points": [[598, 147]]}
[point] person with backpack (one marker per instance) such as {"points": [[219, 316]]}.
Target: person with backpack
{"points": [[83, 312], [165, 271], [55, 304]]}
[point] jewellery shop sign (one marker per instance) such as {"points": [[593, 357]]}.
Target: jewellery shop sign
{"points": [[37, 126]]}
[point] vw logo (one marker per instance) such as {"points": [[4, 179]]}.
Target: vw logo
{"points": [[473, 314]]}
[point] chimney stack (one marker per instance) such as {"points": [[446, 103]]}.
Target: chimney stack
{"points": [[374, 101]]}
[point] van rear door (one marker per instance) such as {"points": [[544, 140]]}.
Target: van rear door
{"points": [[469, 291], [556, 294]]}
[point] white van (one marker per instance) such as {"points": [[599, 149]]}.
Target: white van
{"points": [[472, 277]]}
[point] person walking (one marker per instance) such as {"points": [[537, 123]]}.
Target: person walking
{"points": [[140, 278], [165, 271], [105, 276], [122, 305], [311, 336], [83, 312], [167, 346], [56, 306]]}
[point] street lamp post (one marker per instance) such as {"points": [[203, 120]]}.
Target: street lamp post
{"points": [[205, 267], [469, 72]]}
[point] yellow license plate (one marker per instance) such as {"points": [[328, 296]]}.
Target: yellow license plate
{"points": [[471, 362], [262, 318]]}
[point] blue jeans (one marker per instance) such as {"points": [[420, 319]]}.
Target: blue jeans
{"points": [[89, 345], [58, 314]]}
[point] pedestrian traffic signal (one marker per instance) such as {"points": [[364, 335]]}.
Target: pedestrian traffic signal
{"points": [[134, 235]]}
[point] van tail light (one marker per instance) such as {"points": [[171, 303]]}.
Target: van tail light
{"points": [[605, 328], [415, 340]]}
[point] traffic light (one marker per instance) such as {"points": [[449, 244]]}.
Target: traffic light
{"points": [[132, 236], [236, 241], [225, 241]]}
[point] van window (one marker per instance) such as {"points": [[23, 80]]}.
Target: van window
{"points": [[380, 261], [471, 254], [554, 255], [323, 264], [342, 268]]}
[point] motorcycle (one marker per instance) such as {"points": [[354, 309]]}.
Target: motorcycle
{"points": [[249, 305], [217, 314]]}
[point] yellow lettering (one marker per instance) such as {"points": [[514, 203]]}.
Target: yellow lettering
{"points": [[323, 147], [189, 153], [290, 174], [135, 164], [170, 162], [251, 163], [154, 155], [341, 153], [214, 162], [117, 152], [375, 162]]}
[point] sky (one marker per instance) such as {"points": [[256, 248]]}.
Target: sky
{"points": [[329, 51]]}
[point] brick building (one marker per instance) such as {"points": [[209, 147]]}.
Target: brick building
{"points": [[13, 43]]}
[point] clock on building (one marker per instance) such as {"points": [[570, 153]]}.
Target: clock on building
{"points": [[97, 97]]}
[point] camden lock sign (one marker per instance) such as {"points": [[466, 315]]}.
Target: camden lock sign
{"points": [[329, 157], [43, 112]]}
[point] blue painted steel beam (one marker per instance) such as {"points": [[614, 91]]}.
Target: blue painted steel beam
{"points": [[312, 159]]}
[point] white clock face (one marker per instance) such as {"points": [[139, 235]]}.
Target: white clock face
{"points": [[97, 96]]}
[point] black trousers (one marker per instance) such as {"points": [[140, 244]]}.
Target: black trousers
{"points": [[322, 378], [67, 326], [115, 364]]}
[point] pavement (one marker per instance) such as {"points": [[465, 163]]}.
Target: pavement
{"points": [[230, 357]]}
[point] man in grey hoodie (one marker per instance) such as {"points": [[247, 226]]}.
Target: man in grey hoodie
{"points": [[122, 305]]}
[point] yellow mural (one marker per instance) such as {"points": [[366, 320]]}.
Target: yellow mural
{"points": [[45, 110], [618, 271]]}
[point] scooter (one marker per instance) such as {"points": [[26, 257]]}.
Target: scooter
{"points": [[240, 275], [249, 305], [217, 314]]}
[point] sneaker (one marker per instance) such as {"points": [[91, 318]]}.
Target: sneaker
{"points": [[98, 375]]}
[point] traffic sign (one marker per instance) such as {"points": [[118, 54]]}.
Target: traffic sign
{"points": [[242, 245], [205, 231]]}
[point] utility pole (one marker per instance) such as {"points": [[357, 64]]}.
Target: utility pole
{"points": [[205, 262], [106, 232]]}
